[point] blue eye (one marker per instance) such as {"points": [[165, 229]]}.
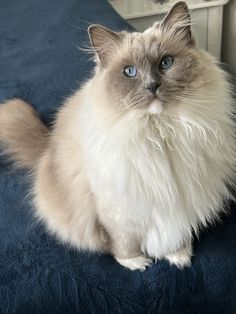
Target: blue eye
{"points": [[166, 62], [130, 71]]}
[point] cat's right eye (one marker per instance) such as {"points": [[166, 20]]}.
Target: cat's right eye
{"points": [[166, 63], [130, 71]]}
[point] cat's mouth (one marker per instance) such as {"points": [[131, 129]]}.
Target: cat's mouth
{"points": [[155, 107]]}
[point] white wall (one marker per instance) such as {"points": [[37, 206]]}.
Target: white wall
{"points": [[229, 35]]}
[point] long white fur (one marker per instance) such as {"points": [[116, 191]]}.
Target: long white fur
{"points": [[160, 177]]}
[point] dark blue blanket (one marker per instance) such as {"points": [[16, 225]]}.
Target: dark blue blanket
{"points": [[40, 63]]}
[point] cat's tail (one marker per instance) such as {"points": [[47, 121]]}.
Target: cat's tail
{"points": [[23, 136]]}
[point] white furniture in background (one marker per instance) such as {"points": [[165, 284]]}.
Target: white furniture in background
{"points": [[206, 16], [229, 36]]}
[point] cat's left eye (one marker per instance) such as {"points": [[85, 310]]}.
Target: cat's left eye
{"points": [[166, 62], [130, 71]]}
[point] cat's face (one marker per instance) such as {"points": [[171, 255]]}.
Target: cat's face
{"points": [[145, 71]]}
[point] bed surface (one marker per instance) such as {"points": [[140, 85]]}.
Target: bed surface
{"points": [[40, 63]]}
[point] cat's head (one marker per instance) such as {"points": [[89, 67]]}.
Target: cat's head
{"points": [[147, 71]]}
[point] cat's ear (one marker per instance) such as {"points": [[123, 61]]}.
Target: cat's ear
{"points": [[104, 41], [178, 22]]}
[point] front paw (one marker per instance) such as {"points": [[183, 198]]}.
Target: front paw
{"points": [[134, 263], [181, 258]]}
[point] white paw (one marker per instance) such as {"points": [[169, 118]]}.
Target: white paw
{"points": [[134, 263], [181, 258]]}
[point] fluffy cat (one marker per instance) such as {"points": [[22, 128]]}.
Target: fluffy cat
{"points": [[142, 155]]}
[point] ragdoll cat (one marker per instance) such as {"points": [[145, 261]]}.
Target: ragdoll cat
{"points": [[142, 155]]}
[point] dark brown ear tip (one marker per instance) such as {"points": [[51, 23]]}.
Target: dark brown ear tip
{"points": [[97, 28], [92, 27], [179, 7], [181, 4], [179, 10]]}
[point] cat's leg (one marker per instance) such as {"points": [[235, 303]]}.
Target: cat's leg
{"points": [[68, 213], [135, 263], [126, 249], [182, 257]]}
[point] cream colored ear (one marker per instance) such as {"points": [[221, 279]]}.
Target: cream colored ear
{"points": [[178, 21], [104, 41]]}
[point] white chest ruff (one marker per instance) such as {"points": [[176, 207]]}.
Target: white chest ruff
{"points": [[153, 189], [136, 183]]}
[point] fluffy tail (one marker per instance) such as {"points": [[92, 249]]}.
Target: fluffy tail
{"points": [[23, 136]]}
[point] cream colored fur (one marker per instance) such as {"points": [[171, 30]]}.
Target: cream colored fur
{"points": [[136, 184]]}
